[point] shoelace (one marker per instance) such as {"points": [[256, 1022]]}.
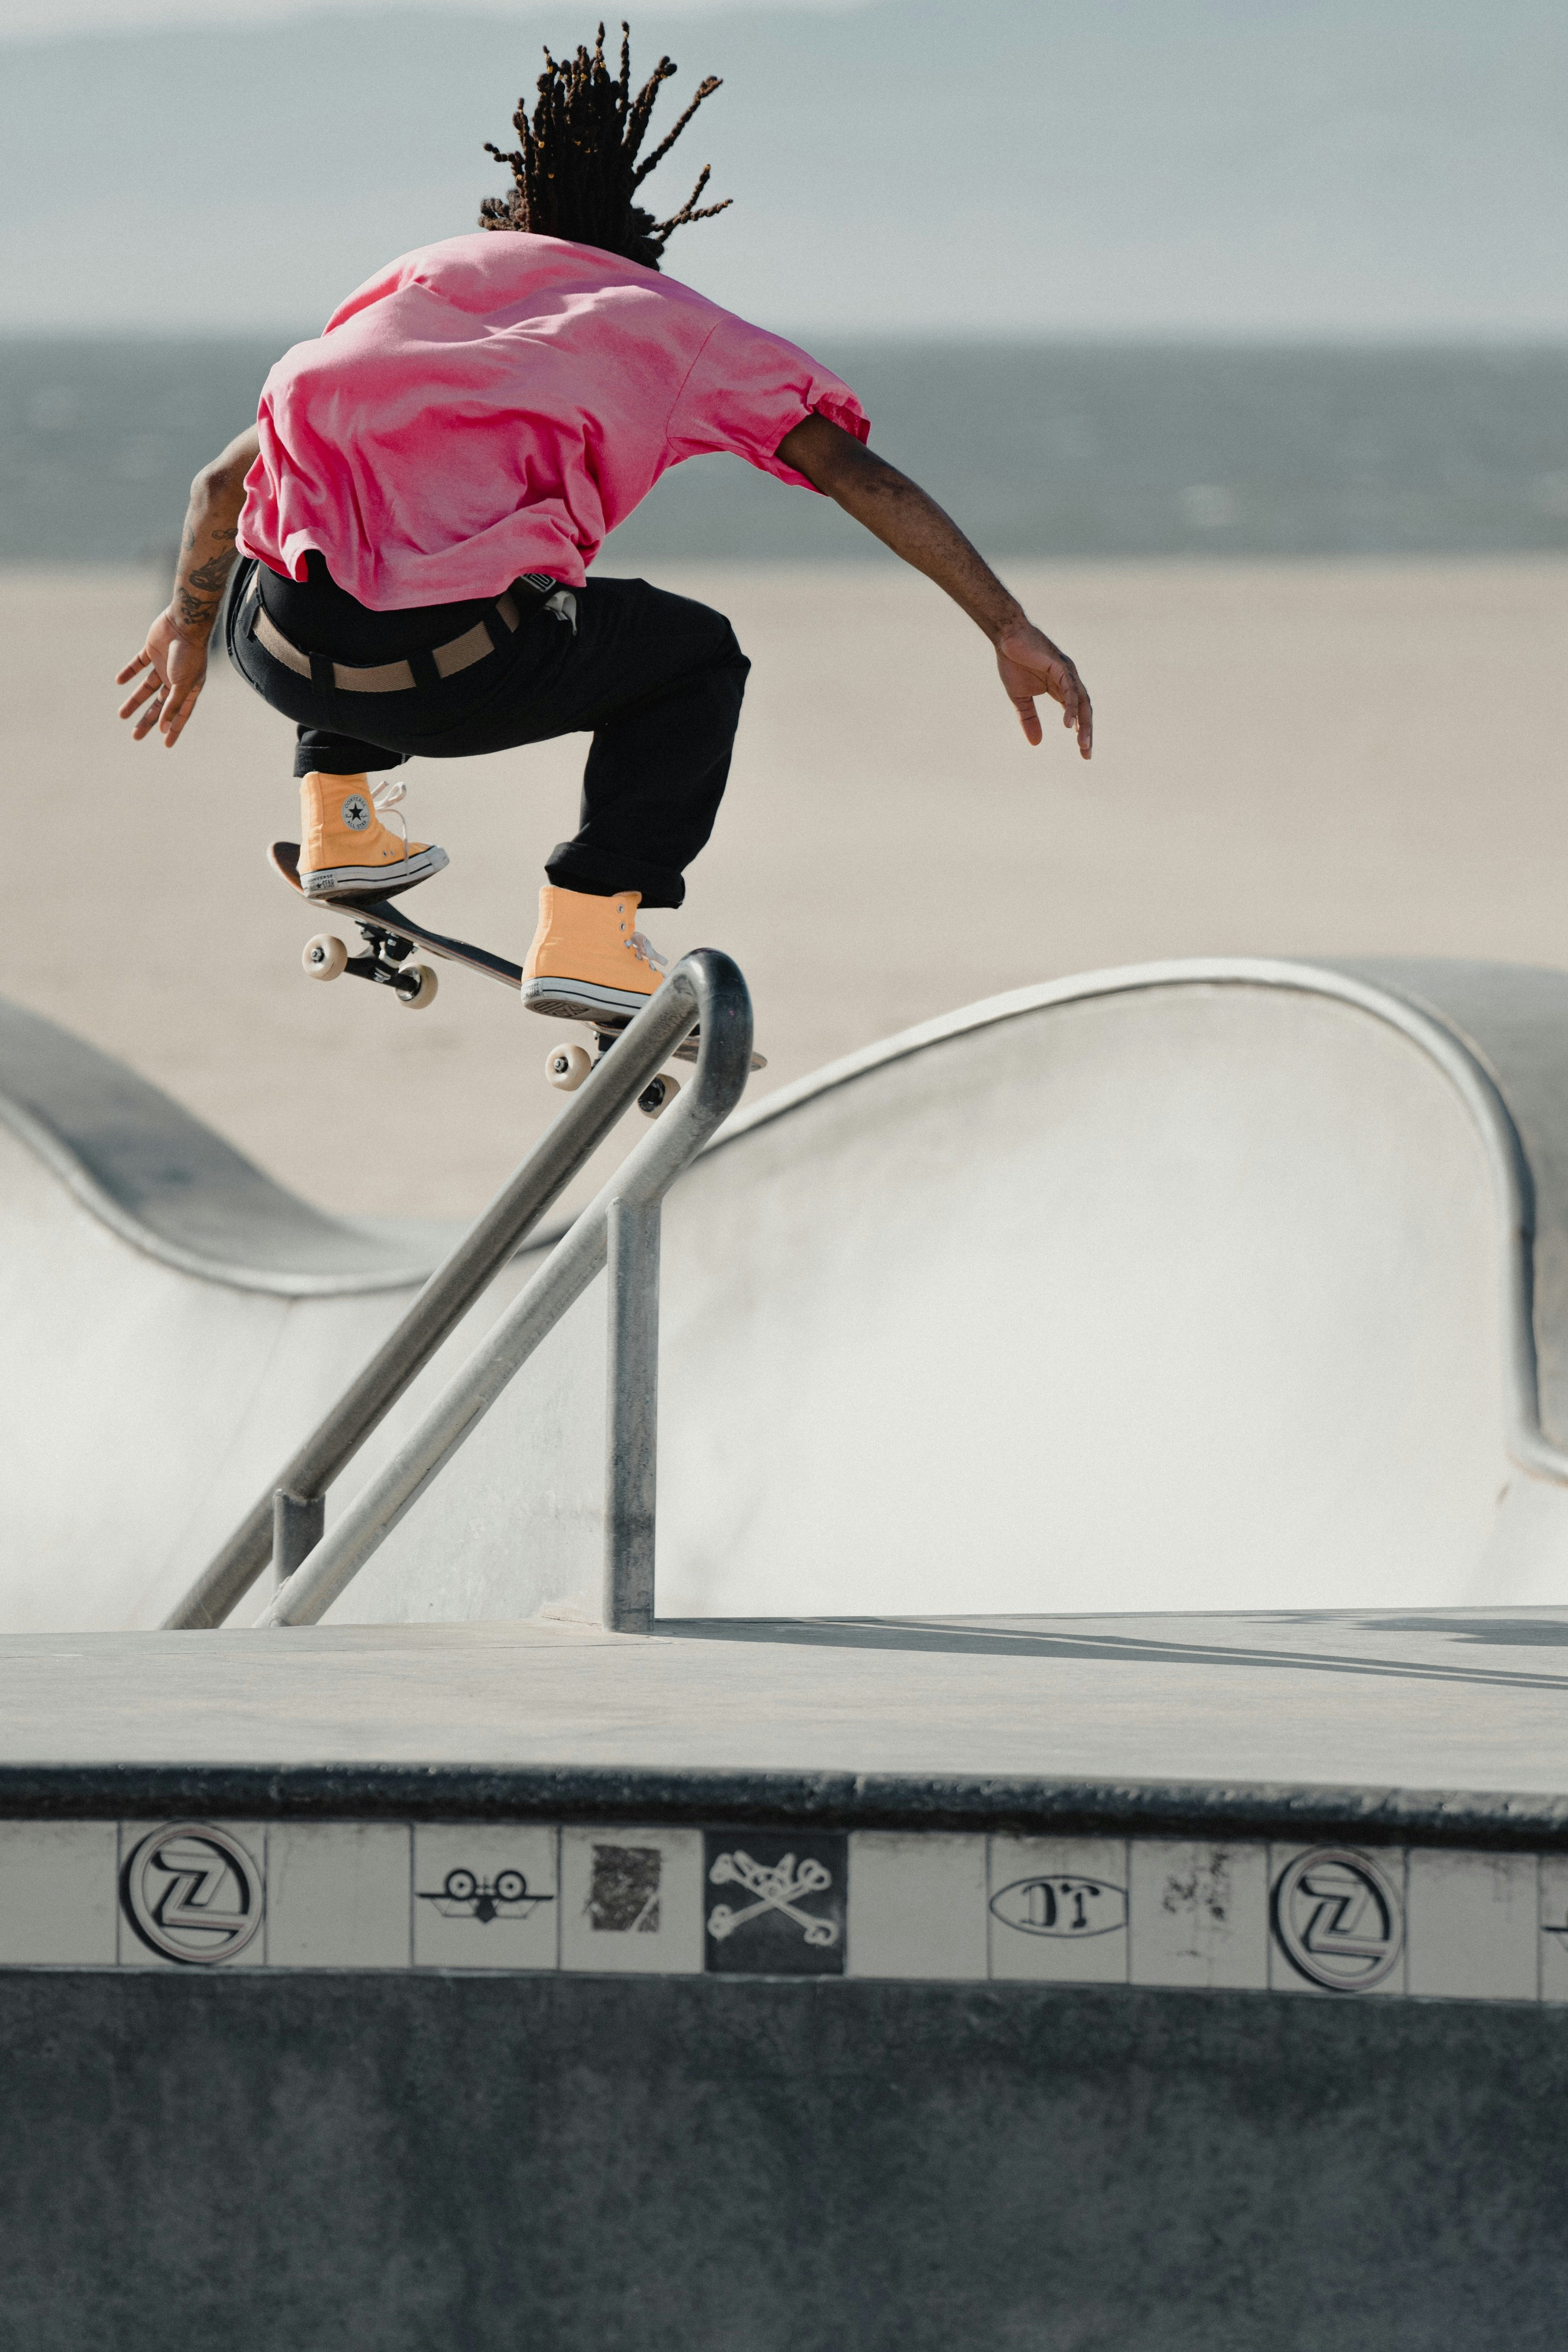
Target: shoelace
{"points": [[386, 797], [643, 947]]}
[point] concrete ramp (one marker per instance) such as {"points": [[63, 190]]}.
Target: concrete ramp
{"points": [[1229, 1285], [1194, 1286], [169, 1313]]}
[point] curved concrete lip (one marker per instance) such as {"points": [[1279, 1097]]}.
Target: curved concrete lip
{"points": [[175, 1190], [1448, 1046], [167, 1185]]}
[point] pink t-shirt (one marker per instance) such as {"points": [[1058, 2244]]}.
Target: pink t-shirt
{"points": [[495, 404]]}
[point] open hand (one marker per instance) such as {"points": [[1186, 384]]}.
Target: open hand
{"points": [[1028, 665], [175, 661]]}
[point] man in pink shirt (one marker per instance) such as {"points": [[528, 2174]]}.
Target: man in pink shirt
{"points": [[425, 487]]}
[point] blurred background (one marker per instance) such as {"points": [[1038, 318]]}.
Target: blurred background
{"points": [[1235, 334]]}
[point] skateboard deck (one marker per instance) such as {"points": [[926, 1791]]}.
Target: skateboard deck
{"points": [[392, 938]]}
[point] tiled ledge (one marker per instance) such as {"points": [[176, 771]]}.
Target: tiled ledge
{"points": [[1329, 1919]]}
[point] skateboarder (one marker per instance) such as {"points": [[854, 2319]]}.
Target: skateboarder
{"points": [[426, 485]]}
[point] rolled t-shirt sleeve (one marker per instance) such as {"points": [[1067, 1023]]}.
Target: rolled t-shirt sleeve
{"points": [[747, 389]]}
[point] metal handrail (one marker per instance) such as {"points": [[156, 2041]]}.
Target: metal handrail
{"points": [[705, 989]]}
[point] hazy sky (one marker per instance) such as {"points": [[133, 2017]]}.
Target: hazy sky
{"points": [[1187, 167], [21, 18]]}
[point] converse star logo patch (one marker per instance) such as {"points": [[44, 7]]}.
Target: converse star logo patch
{"points": [[356, 812]]}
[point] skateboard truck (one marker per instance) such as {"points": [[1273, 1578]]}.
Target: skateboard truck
{"points": [[326, 958], [567, 1066]]}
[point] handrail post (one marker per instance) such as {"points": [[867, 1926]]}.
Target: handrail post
{"points": [[665, 1019], [631, 1415], [706, 986]]}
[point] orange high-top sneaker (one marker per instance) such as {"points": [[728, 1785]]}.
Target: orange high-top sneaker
{"points": [[588, 960], [345, 848]]}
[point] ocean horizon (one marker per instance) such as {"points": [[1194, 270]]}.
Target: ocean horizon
{"points": [[1071, 450]]}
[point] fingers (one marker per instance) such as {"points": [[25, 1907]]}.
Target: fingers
{"points": [[1077, 714], [153, 700], [152, 686], [178, 709], [1085, 726], [145, 693], [174, 718], [1031, 666], [161, 704]]}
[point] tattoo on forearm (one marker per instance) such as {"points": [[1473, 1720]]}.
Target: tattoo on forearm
{"points": [[210, 576], [198, 593]]}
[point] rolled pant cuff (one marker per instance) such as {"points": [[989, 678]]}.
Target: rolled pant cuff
{"points": [[600, 877], [344, 757]]}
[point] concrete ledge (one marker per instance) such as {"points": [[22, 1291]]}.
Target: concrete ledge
{"points": [[1494, 1820], [1201, 1802]]}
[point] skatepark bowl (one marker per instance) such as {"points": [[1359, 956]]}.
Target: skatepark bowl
{"points": [[1081, 1858]]}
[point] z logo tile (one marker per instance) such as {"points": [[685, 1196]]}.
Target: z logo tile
{"points": [[1338, 1921], [193, 1893]]}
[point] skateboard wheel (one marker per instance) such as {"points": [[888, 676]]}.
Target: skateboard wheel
{"points": [[658, 1095], [415, 999], [567, 1066], [325, 956]]}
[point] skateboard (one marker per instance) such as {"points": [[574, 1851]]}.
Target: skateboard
{"points": [[391, 939]]}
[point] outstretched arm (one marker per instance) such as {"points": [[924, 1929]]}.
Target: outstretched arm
{"points": [[898, 513], [176, 654]]}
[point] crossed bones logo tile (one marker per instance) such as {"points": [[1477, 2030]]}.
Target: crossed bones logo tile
{"points": [[782, 1908]]}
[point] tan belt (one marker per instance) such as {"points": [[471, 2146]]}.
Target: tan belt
{"points": [[385, 678]]}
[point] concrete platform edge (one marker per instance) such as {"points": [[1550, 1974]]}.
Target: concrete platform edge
{"points": [[1321, 1812]]}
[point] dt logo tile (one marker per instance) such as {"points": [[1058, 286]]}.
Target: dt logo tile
{"points": [[1060, 1905]]}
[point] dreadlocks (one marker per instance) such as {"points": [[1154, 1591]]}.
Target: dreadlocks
{"points": [[576, 173]]}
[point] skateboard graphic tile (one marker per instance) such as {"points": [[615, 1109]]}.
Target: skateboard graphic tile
{"points": [[1198, 1914], [777, 1902], [485, 1897], [631, 1901]]}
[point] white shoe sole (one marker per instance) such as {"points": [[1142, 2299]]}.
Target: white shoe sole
{"points": [[374, 881], [582, 1000]]}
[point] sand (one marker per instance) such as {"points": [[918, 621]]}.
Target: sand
{"points": [[1292, 758]]}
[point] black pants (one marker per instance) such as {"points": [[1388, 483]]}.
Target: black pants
{"points": [[656, 679]]}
